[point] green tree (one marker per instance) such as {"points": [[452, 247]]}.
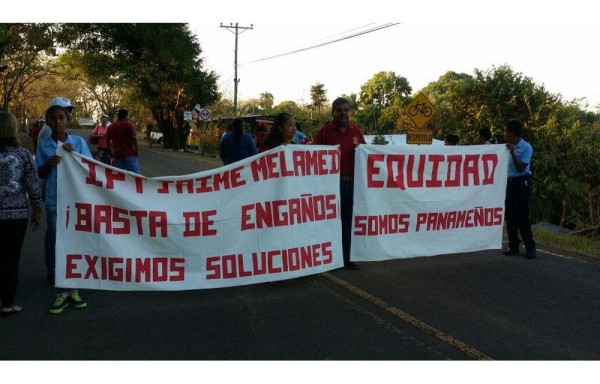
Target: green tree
{"points": [[381, 101], [25, 50], [266, 100], [160, 61], [447, 94], [318, 95], [385, 88]]}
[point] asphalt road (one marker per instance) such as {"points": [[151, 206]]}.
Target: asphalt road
{"points": [[474, 306]]}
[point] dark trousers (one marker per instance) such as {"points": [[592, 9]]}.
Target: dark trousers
{"points": [[346, 203], [518, 192], [104, 155], [13, 232]]}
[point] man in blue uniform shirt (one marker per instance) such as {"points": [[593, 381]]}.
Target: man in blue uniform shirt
{"points": [[518, 191]]}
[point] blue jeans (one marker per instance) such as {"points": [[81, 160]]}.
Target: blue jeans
{"points": [[346, 204], [127, 163]]}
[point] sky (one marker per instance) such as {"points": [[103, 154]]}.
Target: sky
{"points": [[552, 42]]}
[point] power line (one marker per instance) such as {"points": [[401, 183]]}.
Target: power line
{"points": [[334, 35], [326, 43]]}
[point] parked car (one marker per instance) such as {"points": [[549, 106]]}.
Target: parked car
{"points": [[86, 122], [156, 136]]}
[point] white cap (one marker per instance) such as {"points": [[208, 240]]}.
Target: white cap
{"points": [[61, 102]]}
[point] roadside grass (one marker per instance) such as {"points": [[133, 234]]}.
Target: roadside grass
{"points": [[564, 240]]}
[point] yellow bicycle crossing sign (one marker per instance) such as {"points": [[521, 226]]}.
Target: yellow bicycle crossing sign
{"points": [[420, 110]]}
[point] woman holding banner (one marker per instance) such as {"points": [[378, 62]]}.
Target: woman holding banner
{"points": [[283, 131]]}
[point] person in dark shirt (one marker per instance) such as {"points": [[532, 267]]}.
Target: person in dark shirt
{"points": [[237, 144]]}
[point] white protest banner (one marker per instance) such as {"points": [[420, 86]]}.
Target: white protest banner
{"points": [[273, 216], [412, 201]]}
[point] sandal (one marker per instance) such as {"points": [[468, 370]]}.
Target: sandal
{"points": [[12, 310]]}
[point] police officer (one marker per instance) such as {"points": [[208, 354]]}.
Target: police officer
{"points": [[518, 191]]}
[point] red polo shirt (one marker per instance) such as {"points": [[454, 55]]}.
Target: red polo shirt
{"points": [[121, 134], [329, 134]]}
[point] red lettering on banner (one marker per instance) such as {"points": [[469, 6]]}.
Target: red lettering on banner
{"points": [[278, 213], [138, 269], [199, 223], [271, 262], [381, 225], [110, 175], [114, 220], [91, 266], [476, 217], [91, 178], [490, 161], [434, 182], [304, 163], [408, 171], [229, 179], [72, 266], [372, 170]]}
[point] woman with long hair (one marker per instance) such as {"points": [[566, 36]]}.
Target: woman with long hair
{"points": [[236, 144], [282, 132], [20, 188]]}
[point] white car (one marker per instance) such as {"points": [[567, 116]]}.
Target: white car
{"points": [[86, 122], [156, 136]]}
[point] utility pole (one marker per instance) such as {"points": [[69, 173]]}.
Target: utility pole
{"points": [[235, 29]]}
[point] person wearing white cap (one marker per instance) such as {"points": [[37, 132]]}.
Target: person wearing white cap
{"points": [[46, 161], [62, 102]]}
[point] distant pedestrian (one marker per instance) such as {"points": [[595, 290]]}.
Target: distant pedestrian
{"points": [[451, 139], [98, 137], [340, 131], [299, 137], [19, 190], [34, 132], [237, 144], [484, 136], [123, 142], [518, 191], [46, 160], [261, 132]]}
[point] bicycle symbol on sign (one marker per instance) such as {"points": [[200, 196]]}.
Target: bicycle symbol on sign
{"points": [[421, 108]]}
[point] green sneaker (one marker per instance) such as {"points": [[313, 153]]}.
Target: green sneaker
{"points": [[60, 303], [77, 301]]}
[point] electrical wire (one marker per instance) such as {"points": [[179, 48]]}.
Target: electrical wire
{"points": [[374, 29]]}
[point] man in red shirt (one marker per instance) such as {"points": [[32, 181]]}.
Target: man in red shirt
{"points": [[122, 142], [340, 131]]}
